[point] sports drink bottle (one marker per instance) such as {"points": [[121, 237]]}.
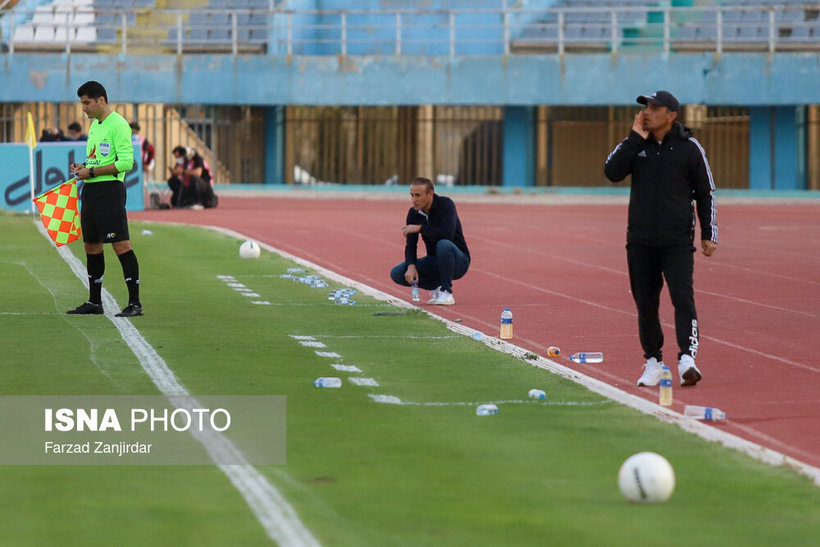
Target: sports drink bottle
{"points": [[506, 324], [665, 395]]}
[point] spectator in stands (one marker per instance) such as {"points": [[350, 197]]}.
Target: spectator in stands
{"points": [[52, 134], [75, 133], [147, 150], [190, 180]]}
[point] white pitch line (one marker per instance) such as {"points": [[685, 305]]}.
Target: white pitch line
{"points": [[362, 381], [393, 400], [280, 521], [664, 414]]}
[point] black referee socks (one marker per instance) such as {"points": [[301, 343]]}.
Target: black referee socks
{"points": [[131, 272], [95, 265]]}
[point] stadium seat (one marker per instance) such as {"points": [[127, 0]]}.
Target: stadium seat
{"points": [[43, 33], [86, 35], [24, 33], [106, 35]]}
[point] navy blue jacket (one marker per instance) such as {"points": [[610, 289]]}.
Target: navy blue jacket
{"points": [[667, 178], [441, 223]]}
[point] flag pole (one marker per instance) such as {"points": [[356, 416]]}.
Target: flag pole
{"points": [[31, 179], [31, 141]]}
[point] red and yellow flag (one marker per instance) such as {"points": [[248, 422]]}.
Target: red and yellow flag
{"points": [[59, 213]]}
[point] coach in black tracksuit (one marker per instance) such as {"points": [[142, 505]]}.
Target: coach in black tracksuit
{"points": [[670, 173]]}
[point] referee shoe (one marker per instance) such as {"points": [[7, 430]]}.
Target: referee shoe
{"points": [[89, 308], [131, 310]]}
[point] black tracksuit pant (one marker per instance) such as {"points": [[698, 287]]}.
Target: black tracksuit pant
{"points": [[649, 265]]}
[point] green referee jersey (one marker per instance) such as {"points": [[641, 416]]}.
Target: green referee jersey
{"points": [[110, 142]]}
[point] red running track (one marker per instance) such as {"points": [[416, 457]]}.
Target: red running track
{"points": [[561, 267]]}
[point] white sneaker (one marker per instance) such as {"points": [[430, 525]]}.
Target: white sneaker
{"points": [[444, 298], [434, 295], [651, 372], [689, 373]]}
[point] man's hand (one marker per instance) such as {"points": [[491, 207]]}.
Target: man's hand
{"points": [[637, 124], [83, 173], [410, 229], [411, 274], [708, 247]]}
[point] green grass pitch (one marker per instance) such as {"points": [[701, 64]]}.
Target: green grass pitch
{"points": [[358, 472]]}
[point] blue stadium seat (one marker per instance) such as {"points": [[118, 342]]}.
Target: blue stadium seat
{"points": [[106, 35]]}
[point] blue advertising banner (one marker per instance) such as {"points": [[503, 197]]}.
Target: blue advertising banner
{"points": [[51, 161]]}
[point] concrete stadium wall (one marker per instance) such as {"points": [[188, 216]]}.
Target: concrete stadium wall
{"points": [[742, 79]]}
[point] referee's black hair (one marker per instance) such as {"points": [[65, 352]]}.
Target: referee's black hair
{"points": [[92, 90]]}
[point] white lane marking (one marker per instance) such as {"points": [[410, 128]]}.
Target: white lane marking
{"points": [[346, 368], [280, 521], [328, 354], [387, 336], [313, 344], [704, 431], [393, 400], [361, 381], [302, 337]]}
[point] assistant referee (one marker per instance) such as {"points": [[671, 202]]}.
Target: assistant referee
{"points": [[109, 156]]}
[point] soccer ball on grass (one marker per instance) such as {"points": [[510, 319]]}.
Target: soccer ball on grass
{"points": [[249, 249], [646, 477]]}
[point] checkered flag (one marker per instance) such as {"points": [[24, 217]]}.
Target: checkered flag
{"points": [[59, 213]]}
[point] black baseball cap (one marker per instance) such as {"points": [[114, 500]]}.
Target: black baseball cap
{"points": [[660, 98]]}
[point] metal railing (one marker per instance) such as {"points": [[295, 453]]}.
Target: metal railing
{"points": [[414, 32]]}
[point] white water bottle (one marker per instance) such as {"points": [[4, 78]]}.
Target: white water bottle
{"points": [[506, 324], [486, 409], [587, 357], [414, 294], [704, 413], [327, 381], [537, 394]]}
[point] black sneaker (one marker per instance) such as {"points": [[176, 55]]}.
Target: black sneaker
{"points": [[131, 310], [89, 308]]}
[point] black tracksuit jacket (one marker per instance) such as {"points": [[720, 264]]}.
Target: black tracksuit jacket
{"points": [[666, 178], [441, 223]]}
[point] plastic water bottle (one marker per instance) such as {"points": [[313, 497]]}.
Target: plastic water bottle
{"points": [[506, 324], [665, 394], [486, 410], [587, 357], [327, 381], [414, 294], [553, 351], [537, 394], [704, 413]]}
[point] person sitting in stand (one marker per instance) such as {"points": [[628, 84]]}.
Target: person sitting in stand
{"points": [[190, 180], [75, 133], [52, 134]]}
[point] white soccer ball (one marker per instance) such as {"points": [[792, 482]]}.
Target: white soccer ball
{"points": [[249, 249], [646, 477]]}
